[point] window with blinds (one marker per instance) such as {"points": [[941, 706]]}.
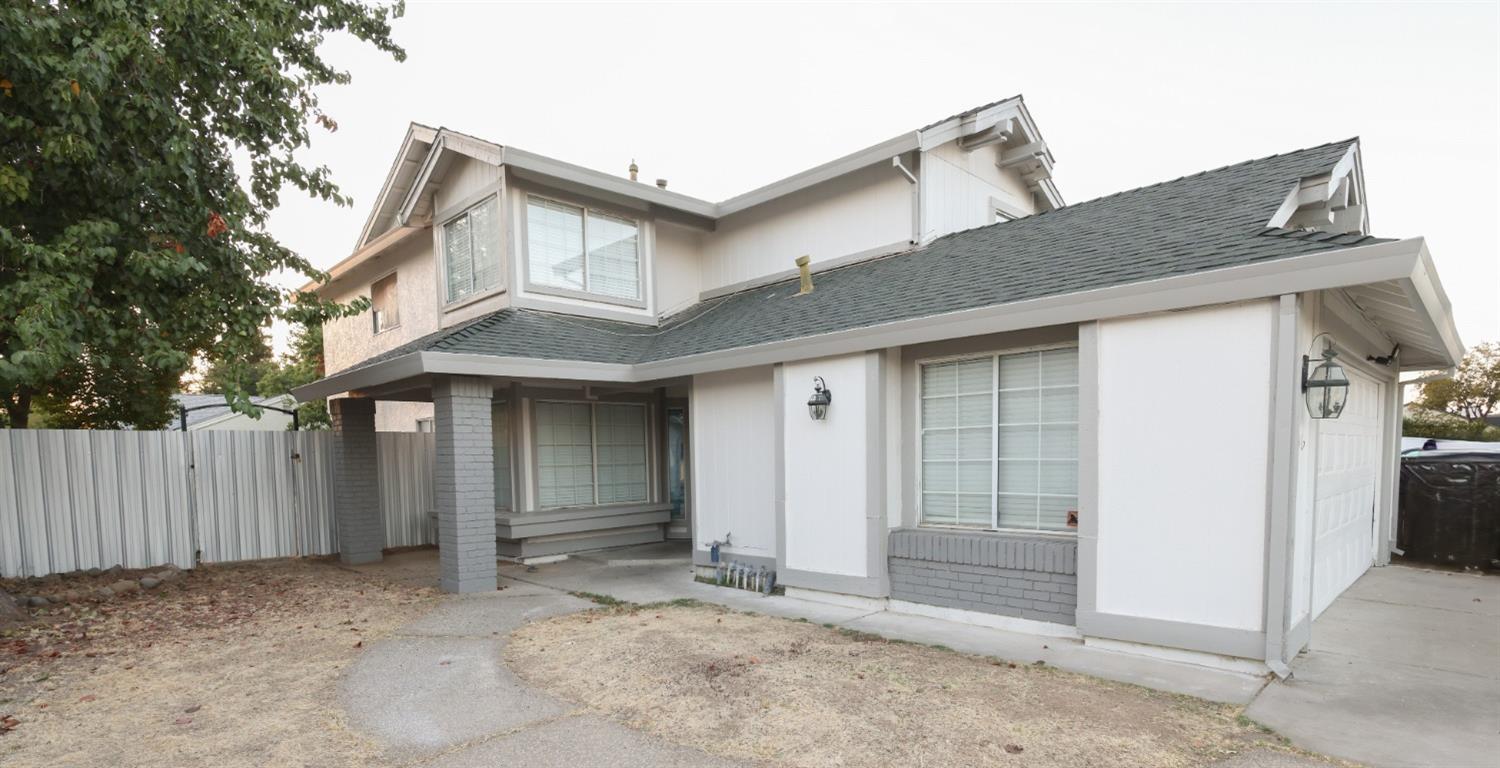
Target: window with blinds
{"points": [[999, 441], [591, 453], [384, 310], [579, 249], [471, 251]]}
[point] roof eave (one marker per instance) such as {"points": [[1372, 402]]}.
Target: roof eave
{"points": [[1399, 260]]}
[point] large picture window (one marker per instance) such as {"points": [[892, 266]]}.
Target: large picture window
{"points": [[471, 251], [580, 249], [999, 441], [590, 453]]}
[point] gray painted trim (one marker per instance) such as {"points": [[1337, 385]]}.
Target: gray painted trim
{"points": [[861, 586], [1088, 466], [778, 438], [1281, 484], [878, 153], [1225, 641], [1395, 260], [822, 266], [701, 557], [1017, 552], [579, 519], [643, 261], [604, 182], [604, 540]]}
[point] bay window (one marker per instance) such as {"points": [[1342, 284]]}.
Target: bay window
{"points": [[999, 441], [471, 251], [574, 248]]}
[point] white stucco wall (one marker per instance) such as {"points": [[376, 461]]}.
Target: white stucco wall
{"points": [[1184, 419], [349, 340], [867, 209], [957, 187], [826, 467], [732, 417]]}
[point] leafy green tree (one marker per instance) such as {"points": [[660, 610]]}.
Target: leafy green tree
{"points": [[303, 364], [1473, 392], [128, 244]]}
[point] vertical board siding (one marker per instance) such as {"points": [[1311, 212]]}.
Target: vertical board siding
{"points": [[406, 490], [74, 500]]}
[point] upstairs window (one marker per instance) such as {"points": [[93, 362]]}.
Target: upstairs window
{"points": [[384, 310], [471, 251], [579, 249]]}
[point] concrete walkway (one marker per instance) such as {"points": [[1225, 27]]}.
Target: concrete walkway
{"points": [[437, 692], [1403, 670]]}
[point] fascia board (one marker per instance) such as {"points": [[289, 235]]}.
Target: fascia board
{"points": [[878, 153], [577, 174], [402, 367], [525, 367], [419, 181], [1397, 260], [372, 249], [1318, 271], [415, 132], [1431, 302]]}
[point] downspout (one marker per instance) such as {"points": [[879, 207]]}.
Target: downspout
{"points": [[916, 197], [1281, 485]]}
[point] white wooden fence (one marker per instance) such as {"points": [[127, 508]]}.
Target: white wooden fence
{"points": [[72, 500]]}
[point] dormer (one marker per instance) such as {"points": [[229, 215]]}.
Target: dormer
{"points": [[1328, 202], [982, 166]]}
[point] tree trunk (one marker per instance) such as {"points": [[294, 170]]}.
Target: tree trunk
{"points": [[18, 409]]}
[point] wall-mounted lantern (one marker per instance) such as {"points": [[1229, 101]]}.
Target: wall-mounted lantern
{"points": [[1326, 387], [817, 405]]}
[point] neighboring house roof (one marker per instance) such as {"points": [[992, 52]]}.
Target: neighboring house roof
{"points": [[1209, 221], [211, 407]]}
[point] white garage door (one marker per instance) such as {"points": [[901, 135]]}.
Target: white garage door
{"points": [[1348, 482]]}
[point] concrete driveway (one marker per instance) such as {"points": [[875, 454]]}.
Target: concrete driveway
{"points": [[1403, 670]]}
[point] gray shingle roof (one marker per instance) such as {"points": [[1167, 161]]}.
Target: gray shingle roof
{"points": [[210, 407], [1207, 221]]}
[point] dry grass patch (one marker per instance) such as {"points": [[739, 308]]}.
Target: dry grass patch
{"points": [[227, 666], [796, 694]]}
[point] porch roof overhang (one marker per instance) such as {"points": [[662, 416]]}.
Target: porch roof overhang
{"points": [[1393, 283]]}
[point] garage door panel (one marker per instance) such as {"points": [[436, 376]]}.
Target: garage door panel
{"points": [[1348, 476]]}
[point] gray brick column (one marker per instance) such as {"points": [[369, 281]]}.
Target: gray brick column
{"points": [[356, 500], [464, 483]]}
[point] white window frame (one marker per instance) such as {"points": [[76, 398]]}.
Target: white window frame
{"points": [[994, 357], [475, 293], [524, 225], [375, 327], [647, 415]]}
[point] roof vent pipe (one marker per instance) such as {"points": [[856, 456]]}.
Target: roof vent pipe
{"points": [[661, 183], [634, 169], [806, 274]]}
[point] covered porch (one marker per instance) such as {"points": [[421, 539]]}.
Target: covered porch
{"points": [[526, 469]]}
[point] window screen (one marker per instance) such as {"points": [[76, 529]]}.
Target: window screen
{"points": [[471, 251], [1000, 441]]}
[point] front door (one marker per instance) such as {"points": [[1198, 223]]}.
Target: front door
{"points": [[677, 473]]}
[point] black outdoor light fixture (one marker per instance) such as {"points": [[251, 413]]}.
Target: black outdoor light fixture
{"points": [[817, 405], [1326, 387]]}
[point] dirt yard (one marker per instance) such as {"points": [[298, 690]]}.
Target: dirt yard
{"points": [[796, 694], [224, 666]]}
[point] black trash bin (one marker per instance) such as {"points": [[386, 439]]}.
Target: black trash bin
{"points": [[1450, 509]]}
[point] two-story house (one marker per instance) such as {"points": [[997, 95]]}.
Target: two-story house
{"points": [[911, 377]]}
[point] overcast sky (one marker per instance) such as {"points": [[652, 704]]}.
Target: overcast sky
{"points": [[720, 99]]}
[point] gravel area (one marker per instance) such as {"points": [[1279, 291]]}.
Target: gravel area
{"points": [[222, 665], [791, 693]]}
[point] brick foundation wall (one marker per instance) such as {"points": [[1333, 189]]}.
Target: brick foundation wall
{"points": [[1005, 574]]}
